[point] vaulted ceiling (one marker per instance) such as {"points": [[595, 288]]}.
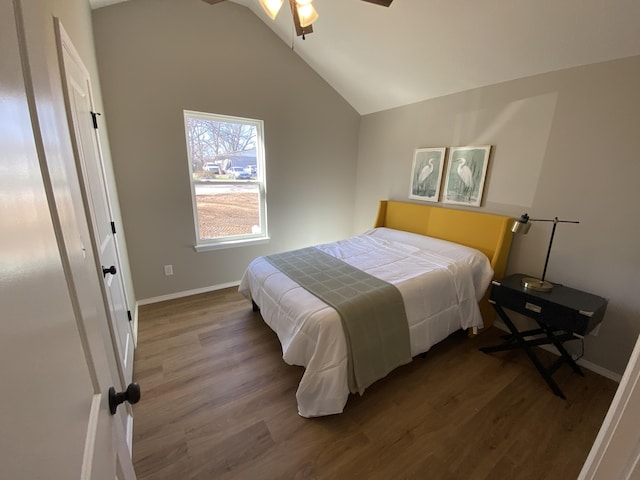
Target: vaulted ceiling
{"points": [[379, 58]]}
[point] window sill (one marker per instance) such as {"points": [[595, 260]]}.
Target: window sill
{"points": [[231, 244]]}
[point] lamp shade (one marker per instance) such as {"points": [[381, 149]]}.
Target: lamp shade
{"points": [[271, 7], [521, 225]]}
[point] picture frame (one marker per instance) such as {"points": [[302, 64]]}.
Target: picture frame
{"points": [[466, 174], [426, 174]]}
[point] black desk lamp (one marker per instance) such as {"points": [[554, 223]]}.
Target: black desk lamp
{"points": [[522, 225]]}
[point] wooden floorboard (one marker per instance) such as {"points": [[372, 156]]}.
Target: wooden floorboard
{"points": [[218, 402]]}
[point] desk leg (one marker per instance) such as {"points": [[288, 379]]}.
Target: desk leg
{"points": [[517, 336], [564, 355]]}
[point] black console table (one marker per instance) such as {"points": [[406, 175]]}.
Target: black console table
{"points": [[563, 314]]}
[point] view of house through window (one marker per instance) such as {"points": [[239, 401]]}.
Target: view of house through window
{"points": [[226, 161]]}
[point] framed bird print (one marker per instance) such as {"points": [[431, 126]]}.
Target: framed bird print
{"points": [[466, 172], [426, 174]]}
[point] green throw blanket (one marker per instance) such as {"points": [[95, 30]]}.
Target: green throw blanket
{"points": [[372, 311]]}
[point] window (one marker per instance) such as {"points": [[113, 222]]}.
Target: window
{"points": [[228, 189]]}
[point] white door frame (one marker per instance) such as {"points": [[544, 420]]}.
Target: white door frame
{"points": [[91, 176], [69, 58]]}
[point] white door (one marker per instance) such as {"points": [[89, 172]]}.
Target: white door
{"points": [[89, 162], [55, 364]]}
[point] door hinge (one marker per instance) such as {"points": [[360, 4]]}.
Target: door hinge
{"points": [[129, 315], [94, 117], [113, 227]]}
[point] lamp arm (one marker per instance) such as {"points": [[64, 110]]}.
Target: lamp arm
{"points": [[522, 226], [554, 220], [546, 262], [553, 232]]}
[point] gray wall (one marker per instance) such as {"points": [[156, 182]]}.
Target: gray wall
{"points": [[565, 145], [160, 57]]}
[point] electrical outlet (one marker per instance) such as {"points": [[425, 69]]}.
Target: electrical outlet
{"points": [[168, 270]]}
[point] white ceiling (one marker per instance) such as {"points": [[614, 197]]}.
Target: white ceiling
{"points": [[379, 58]]}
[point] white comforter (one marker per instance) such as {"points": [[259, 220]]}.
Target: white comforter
{"points": [[440, 282]]}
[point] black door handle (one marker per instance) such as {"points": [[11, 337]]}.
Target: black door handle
{"points": [[112, 270], [131, 395]]}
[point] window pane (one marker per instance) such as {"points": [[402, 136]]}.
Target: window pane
{"points": [[226, 210], [226, 166], [222, 149]]}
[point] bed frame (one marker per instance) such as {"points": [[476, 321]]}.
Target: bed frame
{"points": [[491, 234]]}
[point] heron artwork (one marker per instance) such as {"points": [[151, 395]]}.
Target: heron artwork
{"points": [[465, 174], [423, 176], [426, 171]]}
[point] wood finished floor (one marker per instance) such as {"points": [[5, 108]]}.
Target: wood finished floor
{"points": [[218, 402]]}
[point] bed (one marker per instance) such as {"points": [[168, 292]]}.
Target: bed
{"points": [[440, 262]]}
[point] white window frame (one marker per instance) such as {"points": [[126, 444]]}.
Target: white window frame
{"points": [[260, 181]]}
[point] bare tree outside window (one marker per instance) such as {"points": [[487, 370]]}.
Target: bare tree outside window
{"points": [[226, 163]]}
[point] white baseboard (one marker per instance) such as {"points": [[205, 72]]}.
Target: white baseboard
{"points": [[173, 296], [582, 362]]}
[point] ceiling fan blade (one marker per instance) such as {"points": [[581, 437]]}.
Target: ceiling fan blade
{"points": [[384, 3], [213, 2], [300, 30]]}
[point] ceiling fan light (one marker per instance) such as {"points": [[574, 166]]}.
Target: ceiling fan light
{"points": [[307, 14], [271, 7]]}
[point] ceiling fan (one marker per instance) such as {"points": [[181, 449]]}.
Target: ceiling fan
{"points": [[302, 10]]}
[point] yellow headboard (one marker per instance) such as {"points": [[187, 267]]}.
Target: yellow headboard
{"points": [[491, 234]]}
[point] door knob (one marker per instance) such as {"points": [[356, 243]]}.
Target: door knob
{"points": [[131, 395], [112, 270]]}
